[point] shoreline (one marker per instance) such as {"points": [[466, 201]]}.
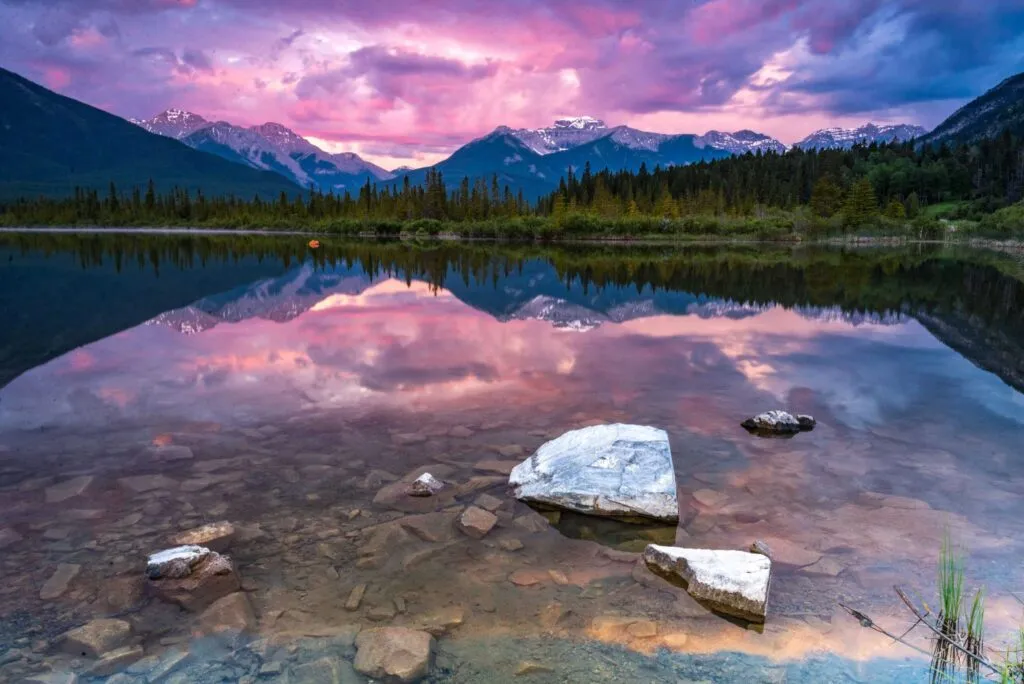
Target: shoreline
{"points": [[1009, 246]]}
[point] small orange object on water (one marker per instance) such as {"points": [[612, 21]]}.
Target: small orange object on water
{"points": [[314, 243]]}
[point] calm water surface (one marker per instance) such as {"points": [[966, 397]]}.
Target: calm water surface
{"points": [[311, 385]]}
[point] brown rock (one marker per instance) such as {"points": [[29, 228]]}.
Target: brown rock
{"points": [[95, 638], [511, 544], [115, 661], [215, 536], [394, 653], [123, 593], [476, 522], [62, 491], [511, 450], [493, 466], [558, 577], [442, 621], [528, 667], [524, 578], [488, 502], [825, 566], [355, 597], [382, 613], [432, 527], [230, 613], [59, 581], [478, 482], [212, 578]]}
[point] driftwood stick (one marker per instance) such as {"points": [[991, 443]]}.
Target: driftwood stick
{"points": [[952, 642], [866, 621]]}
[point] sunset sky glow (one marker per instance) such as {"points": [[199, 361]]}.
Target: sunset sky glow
{"points": [[405, 83]]}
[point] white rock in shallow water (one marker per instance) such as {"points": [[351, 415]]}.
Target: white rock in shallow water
{"points": [[779, 422], [425, 485], [731, 582], [175, 563], [622, 471]]}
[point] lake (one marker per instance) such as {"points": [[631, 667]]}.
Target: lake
{"points": [[153, 384]]}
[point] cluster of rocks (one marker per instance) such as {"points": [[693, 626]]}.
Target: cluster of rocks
{"points": [[626, 471]]}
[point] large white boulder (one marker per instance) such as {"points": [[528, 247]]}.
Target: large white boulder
{"points": [[731, 582], [621, 471]]}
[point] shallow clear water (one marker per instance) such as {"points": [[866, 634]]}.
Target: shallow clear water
{"points": [[310, 386]]}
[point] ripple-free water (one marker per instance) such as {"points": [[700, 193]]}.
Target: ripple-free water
{"points": [[310, 385]]}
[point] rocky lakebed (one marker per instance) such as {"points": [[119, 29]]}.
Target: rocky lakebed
{"points": [[470, 552]]}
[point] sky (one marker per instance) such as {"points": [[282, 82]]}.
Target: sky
{"points": [[406, 83]]}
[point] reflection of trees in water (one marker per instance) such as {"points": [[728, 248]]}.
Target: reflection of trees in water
{"points": [[973, 302]]}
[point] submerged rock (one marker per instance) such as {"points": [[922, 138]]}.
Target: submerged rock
{"points": [[779, 423], [622, 471], [95, 638], [59, 581], [476, 522], [425, 485], [192, 577], [396, 654], [731, 582], [213, 536]]}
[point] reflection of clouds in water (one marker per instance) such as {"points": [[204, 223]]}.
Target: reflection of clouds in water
{"points": [[413, 348]]}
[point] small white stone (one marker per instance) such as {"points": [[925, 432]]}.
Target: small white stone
{"points": [[425, 485]]}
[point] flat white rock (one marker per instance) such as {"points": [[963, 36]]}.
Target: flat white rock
{"points": [[175, 562], [731, 582], [621, 471]]}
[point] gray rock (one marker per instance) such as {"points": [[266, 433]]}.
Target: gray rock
{"points": [[396, 654], [778, 423], [68, 489], [731, 582], [619, 470], [9, 536]]}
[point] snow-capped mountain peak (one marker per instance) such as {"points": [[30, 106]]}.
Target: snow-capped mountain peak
{"points": [[173, 123], [741, 142], [270, 146], [580, 123], [845, 138]]}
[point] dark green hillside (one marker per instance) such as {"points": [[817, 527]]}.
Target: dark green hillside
{"points": [[50, 143]]}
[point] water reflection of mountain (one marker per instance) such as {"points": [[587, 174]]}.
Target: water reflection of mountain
{"points": [[59, 293], [532, 292]]}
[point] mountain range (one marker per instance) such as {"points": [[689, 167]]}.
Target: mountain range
{"points": [[49, 144], [269, 147]]}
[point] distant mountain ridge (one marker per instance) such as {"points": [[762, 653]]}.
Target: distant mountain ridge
{"points": [[845, 138], [50, 144], [270, 147]]}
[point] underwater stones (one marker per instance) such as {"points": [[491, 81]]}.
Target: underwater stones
{"points": [[778, 423], [355, 597], [9, 536], [731, 582], [141, 484], [461, 432], [231, 613], [432, 527], [396, 654], [115, 661], [326, 670], [215, 536], [425, 485], [442, 620], [192, 577], [95, 638], [62, 491], [476, 522], [169, 452], [510, 544], [761, 547], [618, 470], [59, 581]]}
